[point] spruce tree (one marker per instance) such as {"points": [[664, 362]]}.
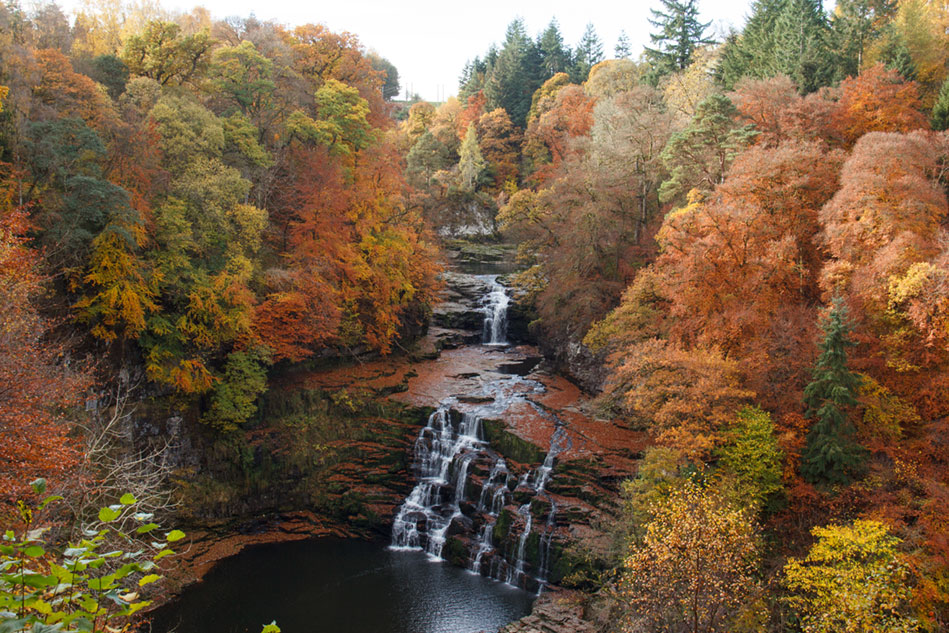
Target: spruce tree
{"points": [[507, 82], [801, 51], [622, 50], [940, 118], [680, 33], [832, 455], [589, 53], [555, 56]]}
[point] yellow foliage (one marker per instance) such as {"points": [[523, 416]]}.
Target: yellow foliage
{"points": [[3, 95], [851, 580], [885, 415]]}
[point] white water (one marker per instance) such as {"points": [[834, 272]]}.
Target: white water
{"points": [[494, 306], [445, 453]]}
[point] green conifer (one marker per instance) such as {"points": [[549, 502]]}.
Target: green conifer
{"points": [[832, 455]]}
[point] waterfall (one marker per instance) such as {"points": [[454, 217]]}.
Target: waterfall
{"points": [[442, 455], [452, 458], [494, 306]]}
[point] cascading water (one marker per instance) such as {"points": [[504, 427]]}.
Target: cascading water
{"points": [[494, 306], [425, 516], [451, 446]]}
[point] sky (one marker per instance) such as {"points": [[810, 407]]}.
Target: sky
{"points": [[430, 41]]}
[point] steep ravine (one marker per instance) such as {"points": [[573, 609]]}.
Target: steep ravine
{"points": [[468, 448]]}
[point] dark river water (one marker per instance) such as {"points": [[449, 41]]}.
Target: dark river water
{"points": [[341, 586]]}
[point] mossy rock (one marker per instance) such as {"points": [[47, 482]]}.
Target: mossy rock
{"points": [[455, 552], [502, 526], [510, 445]]}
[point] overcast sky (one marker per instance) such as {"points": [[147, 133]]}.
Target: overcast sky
{"points": [[429, 41]]}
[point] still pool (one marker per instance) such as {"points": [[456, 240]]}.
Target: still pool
{"points": [[340, 586]]}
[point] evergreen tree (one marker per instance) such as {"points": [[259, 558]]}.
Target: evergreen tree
{"points": [[940, 118], [555, 57], [471, 164], [622, 50], [509, 84], [680, 33], [751, 53], [854, 24], [588, 54], [801, 51], [832, 455]]}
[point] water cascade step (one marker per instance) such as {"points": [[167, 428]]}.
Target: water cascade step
{"points": [[494, 306], [465, 488]]}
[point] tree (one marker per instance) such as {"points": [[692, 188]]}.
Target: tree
{"points": [[510, 83], [695, 569], [680, 34], [622, 50], [471, 165], [852, 579], [801, 49], [855, 24], [555, 56], [686, 397], [390, 84], [940, 115], [878, 100], [699, 155], [161, 53], [589, 53], [37, 388], [751, 454], [832, 455]]}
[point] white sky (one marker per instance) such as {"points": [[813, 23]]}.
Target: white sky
{"points": [[429, 41]]}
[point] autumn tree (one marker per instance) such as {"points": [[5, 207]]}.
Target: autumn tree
{"points": [[685, 398], [751, 454], [37, 386], [162, 53], [852, 579], [878, 100], [695, 569], [832, 455]]}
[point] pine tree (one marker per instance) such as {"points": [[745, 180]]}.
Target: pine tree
{"points": [[680, 33], [622, 50], [940, 118], [832, 455]]}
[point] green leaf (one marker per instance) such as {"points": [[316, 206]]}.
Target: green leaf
{"points": [[48, 500], [145, 529], [271, 628], [174, 535], [128, 499], [107, 515], [148, 579], [160, 555], [38, 485], [34, 551]]}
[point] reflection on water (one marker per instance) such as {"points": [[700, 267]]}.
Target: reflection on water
{"points": [[341, 586]]}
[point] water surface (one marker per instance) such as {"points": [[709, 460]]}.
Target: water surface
{"points": [[341, 586]]}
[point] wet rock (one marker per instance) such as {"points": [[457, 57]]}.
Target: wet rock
{"points": [[560, 612], [460, 525]]}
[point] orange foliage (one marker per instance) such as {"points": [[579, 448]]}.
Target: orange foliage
{"points": [[570, 116], [36, 384], [686, 396], [878, 100]]}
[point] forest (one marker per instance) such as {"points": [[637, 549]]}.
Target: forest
{"points": [[740, 247]]}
